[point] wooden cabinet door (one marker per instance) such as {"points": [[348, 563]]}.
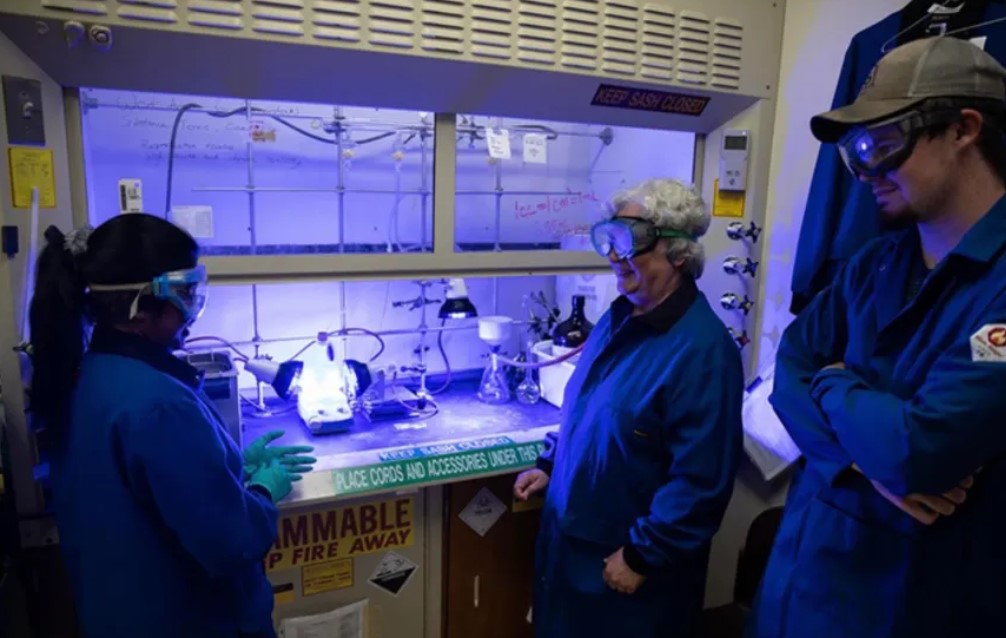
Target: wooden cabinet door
{"points": [[488, 580]]}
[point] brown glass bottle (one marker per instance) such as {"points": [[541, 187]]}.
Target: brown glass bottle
{"points": [[573, 331]]}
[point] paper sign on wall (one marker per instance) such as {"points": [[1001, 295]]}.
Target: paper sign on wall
{"points": [[328, 576], [535, 148], [32, 168], [393, 573], [197, 220], [345, 622], [483, 511], [498, 143]]}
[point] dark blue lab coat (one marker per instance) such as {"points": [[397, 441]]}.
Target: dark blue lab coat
{"points": [[645, 459], [919, 408], [841, 215], [160, 537]]}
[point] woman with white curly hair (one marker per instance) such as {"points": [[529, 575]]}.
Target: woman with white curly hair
{"points": [[639, 475]]}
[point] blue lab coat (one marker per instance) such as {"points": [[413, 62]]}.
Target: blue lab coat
{"points": [[918, 409], [841, 214], [159, 535], [644, 459]]}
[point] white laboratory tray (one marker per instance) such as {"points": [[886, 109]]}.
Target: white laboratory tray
{"points": [[553, 379]]}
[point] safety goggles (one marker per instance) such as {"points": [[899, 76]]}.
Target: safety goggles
{"points": [[186, 290], [628, 237], [877, 149]]}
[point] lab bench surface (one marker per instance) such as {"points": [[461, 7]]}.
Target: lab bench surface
{"points": [[465, 439]]}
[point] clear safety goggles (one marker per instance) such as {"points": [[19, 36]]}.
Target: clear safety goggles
{"points": [[186, 290], [877, 149], [627, 237]]}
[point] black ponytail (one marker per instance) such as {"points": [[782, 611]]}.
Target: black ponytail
{"points": [[127, 249], [57, 332]]}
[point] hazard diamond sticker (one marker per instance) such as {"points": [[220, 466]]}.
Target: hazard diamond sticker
{"points": [[393, 573]]}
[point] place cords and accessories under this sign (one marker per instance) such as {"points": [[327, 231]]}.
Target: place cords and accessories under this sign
{"points": [[396, 474]]}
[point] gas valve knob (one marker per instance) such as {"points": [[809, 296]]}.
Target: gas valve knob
{"points": [[737, 231], [734, 266], [730, 301], [740, 339]]}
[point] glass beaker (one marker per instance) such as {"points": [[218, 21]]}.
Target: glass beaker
{"points": [[494, 388]]}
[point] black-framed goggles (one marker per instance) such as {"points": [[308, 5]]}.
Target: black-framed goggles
{"points": [[627, 237], [876, 149]]}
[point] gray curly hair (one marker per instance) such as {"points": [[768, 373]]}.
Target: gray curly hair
{"points": [[674, 205]]}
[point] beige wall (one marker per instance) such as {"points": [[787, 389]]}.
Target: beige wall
{"points": [[815, 37]]}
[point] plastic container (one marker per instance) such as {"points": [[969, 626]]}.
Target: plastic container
{"points": [[220, 384], [553, 379]]}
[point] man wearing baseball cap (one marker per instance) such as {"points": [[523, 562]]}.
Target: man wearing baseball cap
{"points": [[893, 381]]}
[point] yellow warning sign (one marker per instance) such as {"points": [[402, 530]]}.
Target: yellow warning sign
{"points": [[32, 168], [314, 537], [328, 576], [727, 203]]}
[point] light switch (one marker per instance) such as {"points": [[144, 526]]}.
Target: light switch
{"points": [[23, 109]]}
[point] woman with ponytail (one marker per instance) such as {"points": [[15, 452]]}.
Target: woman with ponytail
{"points": [[163, 525]]}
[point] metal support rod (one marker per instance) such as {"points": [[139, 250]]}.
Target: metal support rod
{"points": [[349, 334], [424, 192], [340, 184], [253, 241], [361, 126], [499, 196], [424, 186]]}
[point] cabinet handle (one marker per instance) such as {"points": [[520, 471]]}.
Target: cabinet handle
{"points": [[476, 591]]}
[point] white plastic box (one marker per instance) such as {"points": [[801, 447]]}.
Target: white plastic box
{"points": [[553, 379]]}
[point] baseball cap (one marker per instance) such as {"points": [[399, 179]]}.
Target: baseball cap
{"points": [[944, 67]]}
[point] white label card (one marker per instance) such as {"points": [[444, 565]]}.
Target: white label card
{"points": [[197, 220], [535, 148], [989, 343], [498, 143]]}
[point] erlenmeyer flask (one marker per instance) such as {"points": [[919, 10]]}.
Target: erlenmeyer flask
{"points": [[494, 388]]}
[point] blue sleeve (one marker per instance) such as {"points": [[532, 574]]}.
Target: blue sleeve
{"points": [[546, 460], [193, 476], [829, 187], [930, 442], [705, 443], [815, 339]]}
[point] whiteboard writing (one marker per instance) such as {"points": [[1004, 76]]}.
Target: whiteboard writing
{"points": [[551, 204]]}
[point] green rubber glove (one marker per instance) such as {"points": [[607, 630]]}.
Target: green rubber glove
{"points": [[275, 479], [259, 454]]}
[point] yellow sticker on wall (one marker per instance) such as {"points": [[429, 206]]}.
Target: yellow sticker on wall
{"points": [[32, 168], [727, 203], [305, 538], [533, 503], [328, 576]]}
